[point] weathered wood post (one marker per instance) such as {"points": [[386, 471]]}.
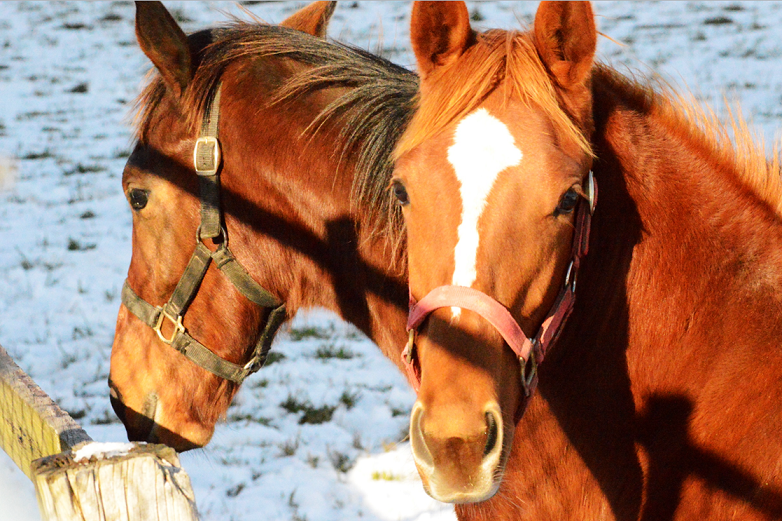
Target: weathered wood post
{"points": [[116, 481], [77, 479], [31, 424]]}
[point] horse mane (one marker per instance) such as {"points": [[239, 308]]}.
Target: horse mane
{"points": [[731, 144], [455, 90], [374, 109]]}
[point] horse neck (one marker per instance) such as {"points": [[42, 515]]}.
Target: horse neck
{"points": [[324, 251], [696, 240], [362, 275], [683, 259]]}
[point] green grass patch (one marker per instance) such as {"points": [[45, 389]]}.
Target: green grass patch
{"points": [[349, 399], [317, 415], [331, 351], [84, 169], [310, 414], [382, 475], [74, 245], [273, 357], [340, 461], [304, 333], [46, 154], [266, 422]]}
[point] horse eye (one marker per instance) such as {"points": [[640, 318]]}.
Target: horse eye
{"points": [[568, 202], [400, 193], [138, 198]]}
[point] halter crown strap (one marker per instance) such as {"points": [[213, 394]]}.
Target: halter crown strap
{"points": [[206, 161]]}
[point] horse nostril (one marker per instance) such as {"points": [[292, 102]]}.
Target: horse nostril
{"points": [[417, 441], [492, 433]]}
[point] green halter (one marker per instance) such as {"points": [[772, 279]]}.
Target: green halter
{"points": [[207, 161]]}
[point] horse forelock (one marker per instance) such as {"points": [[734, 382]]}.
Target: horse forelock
{"points": [[453, 91], [373, 110]]}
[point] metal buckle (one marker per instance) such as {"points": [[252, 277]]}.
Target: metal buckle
{"points": [[206, 155], [569, 273], [254, 365], [527, 379], [591, 192], [410, 346], [175, 320]]}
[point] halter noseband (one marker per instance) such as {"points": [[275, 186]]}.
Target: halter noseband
{"points": [[207, 162], [530, 351]]}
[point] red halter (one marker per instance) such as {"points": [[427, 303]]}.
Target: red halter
{"points": [[530, 351]]}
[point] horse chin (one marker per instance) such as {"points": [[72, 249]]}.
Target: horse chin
{"points": [[151, 426], [446, 488], [461, 494], [193, 439]]}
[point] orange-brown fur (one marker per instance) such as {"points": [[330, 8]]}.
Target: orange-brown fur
{"points": [[286, 198], [614, 431], [662, 398]]}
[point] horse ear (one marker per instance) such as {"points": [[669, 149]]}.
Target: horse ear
{"points": [[440, 32], [566, 37], [164, 42], [313, 19]]}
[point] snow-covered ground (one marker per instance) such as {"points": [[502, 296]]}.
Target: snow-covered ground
{"points": [[68, 75]]}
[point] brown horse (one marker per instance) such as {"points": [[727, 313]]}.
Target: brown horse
{"points": [[298, 184], [662, 396]]}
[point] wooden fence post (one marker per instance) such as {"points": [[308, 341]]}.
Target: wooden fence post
{"points": [[77, 479], [138, 482]]}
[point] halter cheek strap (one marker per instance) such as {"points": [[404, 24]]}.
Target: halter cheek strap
{"points": [[206, 159], [530, 351]]}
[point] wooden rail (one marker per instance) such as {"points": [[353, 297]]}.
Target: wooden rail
{"points": [[31, 424], [78, 480]]}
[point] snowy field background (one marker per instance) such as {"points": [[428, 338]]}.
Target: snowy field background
{"points": [[68, 75]]}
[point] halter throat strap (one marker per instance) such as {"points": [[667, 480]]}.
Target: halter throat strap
{"points": [[207, 162], [530, 351]]}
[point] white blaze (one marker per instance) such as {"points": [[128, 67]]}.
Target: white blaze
{"points": [[482, 148]]}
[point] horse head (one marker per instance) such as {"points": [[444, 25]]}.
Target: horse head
{"points": [[492, 175], [187, 292]]}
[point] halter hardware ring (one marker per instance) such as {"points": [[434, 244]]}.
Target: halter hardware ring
{"points": [[223, 234], [254, 365], [527, 379], [175, 320], [206, 161], [570, 276], [410, 346], [591, 195]]}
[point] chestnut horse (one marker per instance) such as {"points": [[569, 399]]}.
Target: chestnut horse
{"points": [[298, 183], [660, 397]]}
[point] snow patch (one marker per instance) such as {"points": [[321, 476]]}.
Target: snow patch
{"points": [[102, 450]]}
